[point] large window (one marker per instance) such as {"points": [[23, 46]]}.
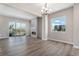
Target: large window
{"points": [[17, 29], [58, 24]]}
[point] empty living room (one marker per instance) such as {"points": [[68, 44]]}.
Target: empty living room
{"points": [[39, 29]]}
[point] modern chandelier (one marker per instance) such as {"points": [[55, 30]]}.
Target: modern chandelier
{"points": [[45, 10]]}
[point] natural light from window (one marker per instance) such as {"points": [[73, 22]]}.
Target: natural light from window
{"points": [[58, 24]]}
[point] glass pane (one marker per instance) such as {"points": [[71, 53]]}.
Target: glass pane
{"points": [[18, 29], [58, 24], [23, 28], [12, 29]]}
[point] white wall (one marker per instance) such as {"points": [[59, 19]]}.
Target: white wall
{"points": [[76, 25], [34, 27], [66, 36], [4, 30]]}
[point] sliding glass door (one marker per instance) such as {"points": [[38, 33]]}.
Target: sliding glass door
{"points": [[17, 29]]}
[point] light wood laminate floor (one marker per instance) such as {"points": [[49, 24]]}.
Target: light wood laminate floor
{"points": [[21, 46]]}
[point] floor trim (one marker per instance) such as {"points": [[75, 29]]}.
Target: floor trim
{"points": [[77, 47], [60, 41], [4, 38]]}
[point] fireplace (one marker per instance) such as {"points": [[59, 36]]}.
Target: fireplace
{"points": [[33, 33]]}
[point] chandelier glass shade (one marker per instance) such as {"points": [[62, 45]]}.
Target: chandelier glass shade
{"points": [[45, 10]]}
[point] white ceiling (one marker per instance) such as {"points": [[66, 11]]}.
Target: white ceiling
{"points": [[35, 8], [6, 10]]}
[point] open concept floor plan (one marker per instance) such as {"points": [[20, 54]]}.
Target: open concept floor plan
{"points": [[39, 29]]}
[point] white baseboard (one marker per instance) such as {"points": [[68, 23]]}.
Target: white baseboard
{"points": [[60, 41], [3, 37], [76, 46]]}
